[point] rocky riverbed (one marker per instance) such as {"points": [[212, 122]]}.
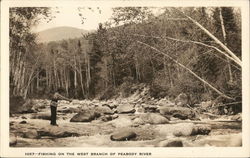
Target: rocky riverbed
{"points": [[121, 123]]}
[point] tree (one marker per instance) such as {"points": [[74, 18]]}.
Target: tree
{"points": [[21, 39]]}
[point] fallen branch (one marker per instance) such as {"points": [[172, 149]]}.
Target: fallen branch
{"points": [[214, 38], [195, 42], [190, 71]]}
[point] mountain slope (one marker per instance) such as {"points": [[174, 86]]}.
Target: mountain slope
{"points": [[60, 33]]}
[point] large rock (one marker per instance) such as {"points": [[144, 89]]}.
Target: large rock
{"points": [[150, 108], [69, 110], [183, 129], [32, 134], [57, 133], [188, 129], [122, 122], [19, 105], [153, 118], [181, 99], [126, 108], [123, 135], [170, 143], [178, 112], [104, 110], [85, 116]]}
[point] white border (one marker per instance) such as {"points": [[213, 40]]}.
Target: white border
{"points": [[6, 151]]}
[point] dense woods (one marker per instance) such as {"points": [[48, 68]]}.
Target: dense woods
{"points": [[170, 53]]}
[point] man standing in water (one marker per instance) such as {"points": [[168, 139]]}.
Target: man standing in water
{"points": [[53, 106]]}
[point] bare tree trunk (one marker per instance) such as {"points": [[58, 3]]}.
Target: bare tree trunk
{"points": [[215, 39], [190, 71], [75, 76], [225, 42]]}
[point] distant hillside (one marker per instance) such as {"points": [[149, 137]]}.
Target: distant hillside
{"points": [[60, 33]]}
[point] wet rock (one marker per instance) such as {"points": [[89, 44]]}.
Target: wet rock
{"points": [[111, 106], [151, 108], [42, 115], [115, 116], [178, 112], [57, 133], [13, 140], [188, 129], [31, 134], [23, 117], [125, 108], [85, 116], [138, 121], [170, 143], [19, 105], [122, 122], [104, 110], [153, 118], [183, 129], [69, 110], [23, 122], [123, 135], [181, 99], [201, 130], [106, 118]]}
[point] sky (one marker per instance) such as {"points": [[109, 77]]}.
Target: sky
{"points": [[69, 16]]}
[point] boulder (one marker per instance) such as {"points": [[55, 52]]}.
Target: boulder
{"points": [[20, 106], [104, 110], [85, 116], [122, 122], [123, 135], [178, 112], [32, 134], [106, 118], [23, 122], [56, 133], [151, 108], [201, 130], [170, 143], [41, 115], [138, 121], [69, 110], [125, 108], [183, 129], [23, 117], [111, 106], [181, 99], [115, 116], [153, 118], [188, 129]]}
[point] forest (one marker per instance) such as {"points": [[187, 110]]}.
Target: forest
{"points": [[169, 53], [166, 79]]}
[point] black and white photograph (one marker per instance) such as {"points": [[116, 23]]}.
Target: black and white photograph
{"points": [[125, 76]]}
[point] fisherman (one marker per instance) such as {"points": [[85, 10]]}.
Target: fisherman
{"points": [[53, 106]]}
